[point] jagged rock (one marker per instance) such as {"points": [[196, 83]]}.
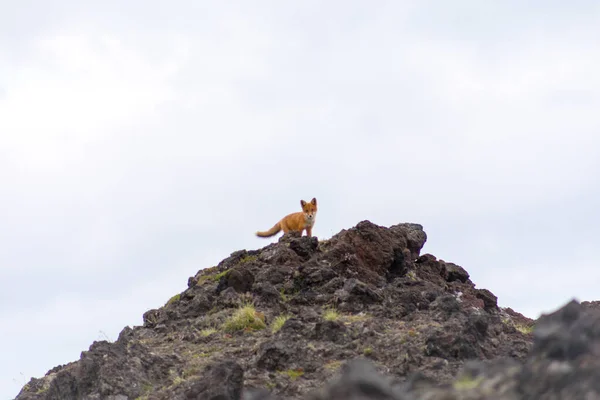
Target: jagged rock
{"points": [[240, 279], [490, 301], [293, 328], [415, 237], [456, 272], [304, 246], [359, 292], [267, 293], [106, 370], [275, 275], [196, 306], [273, 355], [151, 317], [220, 381], [419, 319], [565, 336], [313, 273], [371, 251], [563, 364], [591, 304], [332, 331], [401, 263], [359, 381], [448, 304], [258, 394]]}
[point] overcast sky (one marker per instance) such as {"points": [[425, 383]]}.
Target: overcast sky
{"points": [[142, 141]]}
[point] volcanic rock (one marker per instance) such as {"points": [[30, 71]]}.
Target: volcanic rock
{"points": [[362, 315]]}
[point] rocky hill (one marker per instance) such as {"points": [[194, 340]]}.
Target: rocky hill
{"points": [[363, 315]]}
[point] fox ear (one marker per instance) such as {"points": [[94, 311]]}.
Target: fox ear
{"points": [[302, 203], [314, 201]]}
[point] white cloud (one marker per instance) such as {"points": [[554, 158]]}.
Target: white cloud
{"points": [[132, 147], [75, 91]]}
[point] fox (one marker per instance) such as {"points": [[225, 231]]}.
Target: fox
{"points": [[295, 222]]}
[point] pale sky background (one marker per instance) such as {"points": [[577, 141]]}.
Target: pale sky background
{"points": [[141, 141]]}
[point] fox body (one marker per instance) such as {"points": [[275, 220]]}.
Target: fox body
{"points": [[295, 222]]}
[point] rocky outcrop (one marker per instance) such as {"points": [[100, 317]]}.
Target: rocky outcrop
{"points": [[564, 363], [286, 321]]}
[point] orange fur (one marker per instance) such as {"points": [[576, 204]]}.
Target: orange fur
{"points": [[296, 222]]}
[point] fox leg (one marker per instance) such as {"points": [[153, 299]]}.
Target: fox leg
{"points": [[308, 231]]}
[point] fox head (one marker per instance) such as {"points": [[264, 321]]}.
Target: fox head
{"points": [[309, 209]]}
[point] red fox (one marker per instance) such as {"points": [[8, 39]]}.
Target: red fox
{"points": [[296, 222]]}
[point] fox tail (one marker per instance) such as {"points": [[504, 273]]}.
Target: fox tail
{"points": [[273, 231]]}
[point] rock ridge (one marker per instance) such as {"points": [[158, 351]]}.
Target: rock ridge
{"points": [[362, 315]]}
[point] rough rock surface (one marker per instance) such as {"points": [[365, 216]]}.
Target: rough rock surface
{"points": [[368, 317]]}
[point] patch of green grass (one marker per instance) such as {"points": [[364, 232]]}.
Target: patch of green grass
{"points": [[246, 298], [293, 373], [278, 322], [465, 382], [285, 297], [212, 278], [217, 277], [174, 299], [192, 371], [205, 353], [333, 365], [178, 380], [411, 275], [248, 258], [323, 243], [175, 378], [368, 351], [213, 310], [331, 314], [526, 329], [245, 318], [349, 319], [207, 332], [523, 328], [146, 388]]}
